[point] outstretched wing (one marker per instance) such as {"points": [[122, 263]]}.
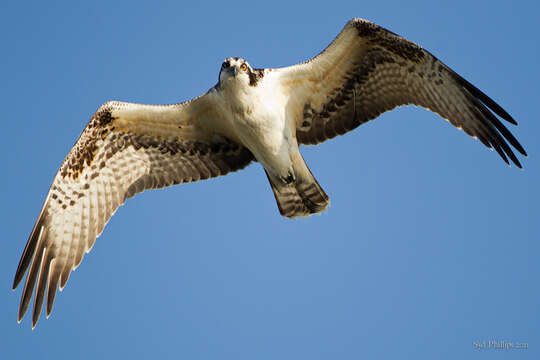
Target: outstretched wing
{"points": [[125, 149], [368, 70]]}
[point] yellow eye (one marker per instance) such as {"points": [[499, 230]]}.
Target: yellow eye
{"points": [[243, 67]]}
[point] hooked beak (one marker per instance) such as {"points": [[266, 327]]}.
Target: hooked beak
{"points": [[233, 70]]}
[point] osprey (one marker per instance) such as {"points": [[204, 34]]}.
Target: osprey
{"points": [[249, 115]]}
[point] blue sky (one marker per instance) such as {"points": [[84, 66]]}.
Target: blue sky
{"points": [[430, 243]]}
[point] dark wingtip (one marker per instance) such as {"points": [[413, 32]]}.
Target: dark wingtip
{"points": [[500, 152], [479, 94], [29, 249], [496, 129], [30, 282], [511, 120], [22, 310]]}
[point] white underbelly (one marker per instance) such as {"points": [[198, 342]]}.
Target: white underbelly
{"points": [[257, 119], [266, 135]]}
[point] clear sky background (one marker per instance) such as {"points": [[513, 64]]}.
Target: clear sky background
{"points": [[431, 242]]}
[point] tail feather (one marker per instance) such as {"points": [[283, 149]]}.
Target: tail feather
{"points": [[301, 197]]}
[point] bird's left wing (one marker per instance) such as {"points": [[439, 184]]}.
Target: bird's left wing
{"points": [[125, 149], [368, 70]]}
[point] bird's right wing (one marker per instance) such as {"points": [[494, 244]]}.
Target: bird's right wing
{"points": [[125, 149]]}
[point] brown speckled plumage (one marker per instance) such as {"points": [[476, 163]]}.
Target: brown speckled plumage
{"points": [[255, 75], [389, 71], [83, 152], [102, 170]]}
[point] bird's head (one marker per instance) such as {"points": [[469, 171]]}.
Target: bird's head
{"points": [[238, 71]]}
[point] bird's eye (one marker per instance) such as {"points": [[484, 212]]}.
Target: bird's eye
{"points": [[243, 67], [225, 64]]}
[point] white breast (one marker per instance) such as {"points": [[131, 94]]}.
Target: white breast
{"points": [[258, 120]]}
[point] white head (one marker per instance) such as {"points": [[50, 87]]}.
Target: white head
{"points": [[239, 71]]}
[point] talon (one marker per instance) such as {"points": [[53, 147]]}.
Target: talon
{"points": [[289, 179]]}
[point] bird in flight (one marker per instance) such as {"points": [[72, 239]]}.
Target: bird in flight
{"points": [[250, 115]]}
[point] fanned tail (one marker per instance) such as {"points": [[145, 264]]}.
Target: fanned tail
{"points": [[301, 197]]}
